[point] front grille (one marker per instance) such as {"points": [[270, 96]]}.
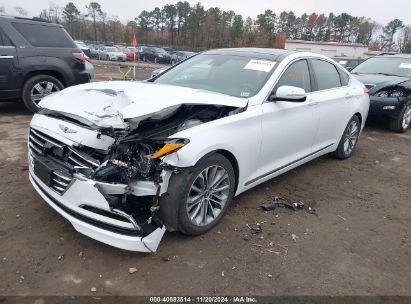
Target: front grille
{"points": [[40, 142], [43, 145], [60, 181]]}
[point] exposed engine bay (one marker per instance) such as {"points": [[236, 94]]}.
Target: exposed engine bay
{"points": [[129, 173]]}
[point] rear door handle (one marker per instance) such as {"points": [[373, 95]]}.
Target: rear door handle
{"points": [[6, 57], [348, 96]]}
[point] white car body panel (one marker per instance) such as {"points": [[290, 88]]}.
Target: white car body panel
{"points": [[132, 100], [265, 138]]}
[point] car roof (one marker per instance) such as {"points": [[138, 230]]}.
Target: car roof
{"points": [[264, 53], [34, 20], [408, 56]]}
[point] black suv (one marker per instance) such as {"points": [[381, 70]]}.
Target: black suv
{"points": [[388, 79], [156, 55], [37, 58]]}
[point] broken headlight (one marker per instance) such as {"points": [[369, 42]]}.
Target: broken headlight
{"points": [[393, 92], [137, 160], [169, 147]]}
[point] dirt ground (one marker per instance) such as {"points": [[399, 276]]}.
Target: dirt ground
{"points": [[359, 244]]}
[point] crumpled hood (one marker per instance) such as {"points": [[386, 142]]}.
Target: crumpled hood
{"points": [[108, 103], [380, 80]]}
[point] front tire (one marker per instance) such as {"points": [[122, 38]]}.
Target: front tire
{"points": [[349, 139], [402, 124], [198, 197], [37, 87]]}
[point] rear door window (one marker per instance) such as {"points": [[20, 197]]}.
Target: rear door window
{"points": [[4, 40], [39, 35], [326, 74]]}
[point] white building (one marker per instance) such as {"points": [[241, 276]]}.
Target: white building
{"points": [[330, 49]]}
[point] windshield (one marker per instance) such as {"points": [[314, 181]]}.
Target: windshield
{"points": [[237, 76], [111, 49], [158, 50], [385, 65]]}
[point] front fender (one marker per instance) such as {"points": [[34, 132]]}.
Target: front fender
{"points": [[239, 134]]}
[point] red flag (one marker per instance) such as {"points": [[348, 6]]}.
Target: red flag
{"points": [[134, 40]]}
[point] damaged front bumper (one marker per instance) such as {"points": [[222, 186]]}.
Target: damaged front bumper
{"points": [[119, 214], [120, 233]]}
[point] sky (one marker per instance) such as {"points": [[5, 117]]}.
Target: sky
{"points": [[127, 10]]}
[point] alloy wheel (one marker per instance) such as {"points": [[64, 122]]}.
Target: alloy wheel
{"points": [[406, 119], [208, 195], [351, 137], [42, 89]]}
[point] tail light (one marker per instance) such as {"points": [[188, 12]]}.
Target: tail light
{"points": [[81, 57]]}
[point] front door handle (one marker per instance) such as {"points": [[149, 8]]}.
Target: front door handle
{"points": [[6, 57], [313, 103]]}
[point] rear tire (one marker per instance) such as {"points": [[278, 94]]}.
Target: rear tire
{"points": [[179, 204], [47, 83], [349, 139], [403, 122]]}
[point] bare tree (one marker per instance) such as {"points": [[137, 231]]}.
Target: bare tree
{"points": [[21, 11]]}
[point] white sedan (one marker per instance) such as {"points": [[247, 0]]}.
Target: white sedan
{"points": [[126, 161]]}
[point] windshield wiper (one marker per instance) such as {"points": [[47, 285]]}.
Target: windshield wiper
{"points": [[385, 74]]}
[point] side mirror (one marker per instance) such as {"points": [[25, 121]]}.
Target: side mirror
{"points": [[349, 69], [289, 93]]}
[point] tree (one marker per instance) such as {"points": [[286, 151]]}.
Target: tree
{"points": [[21, 11], [94, 10], [183, 10], [70, 15], [389, 31], [170, 13]]}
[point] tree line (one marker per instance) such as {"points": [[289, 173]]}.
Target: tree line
{"points": [[195, 27]]}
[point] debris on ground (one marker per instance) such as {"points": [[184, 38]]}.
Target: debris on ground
{"points": [[270, 276], [166, 259], [294, 237], [277, 202], [60, 257], [93, 289], [343, 218], [312, 211], [80, 254], [255, 229], [132, 270]]}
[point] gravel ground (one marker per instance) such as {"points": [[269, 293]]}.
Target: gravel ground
{"points": [[359, 244]]}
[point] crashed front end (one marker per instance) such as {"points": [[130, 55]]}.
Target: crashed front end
{"points": [[106, 194], [105, 173]]}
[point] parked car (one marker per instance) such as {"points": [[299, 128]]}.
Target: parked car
{"points": [[170, 51], [94, 51], [156, 55], [388, 78], [179, 56], [111, 53], [37, 58], [89, 67], [349, 62], [142, 157], [83, 47], [130, 55]]}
